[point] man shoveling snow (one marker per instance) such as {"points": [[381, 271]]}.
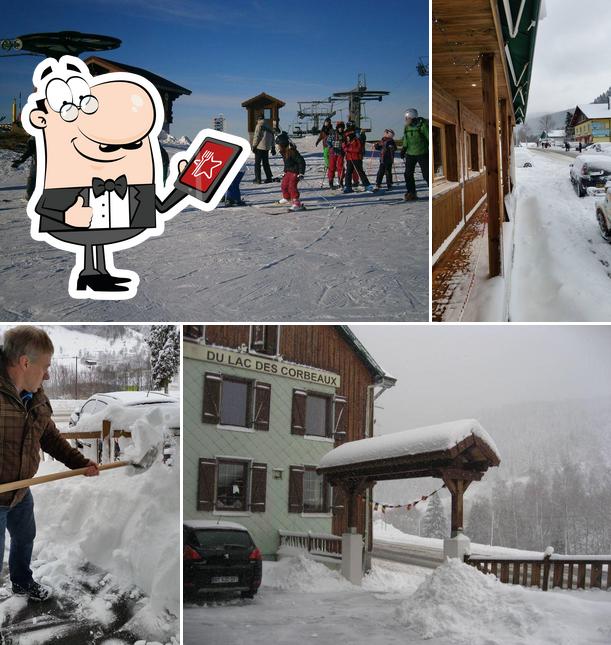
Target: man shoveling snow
{"points": [[26, 428]]}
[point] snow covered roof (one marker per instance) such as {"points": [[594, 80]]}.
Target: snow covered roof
{"points": [[556, 134], [595, 110], [417, 452], [213, 524]]}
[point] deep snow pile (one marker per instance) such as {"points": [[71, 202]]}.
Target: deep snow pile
{"points": [[459, 602], [125, 525], [303, 574]]}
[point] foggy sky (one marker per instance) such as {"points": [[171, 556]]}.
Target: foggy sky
{"points": [[451, 372], [571, 62]]}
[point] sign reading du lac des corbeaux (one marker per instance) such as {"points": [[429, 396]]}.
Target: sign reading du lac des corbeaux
{"points": [[267, 366]]}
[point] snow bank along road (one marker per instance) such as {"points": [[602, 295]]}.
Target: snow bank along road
{"points": [[562, 265], [302, 601], [351, 257]]}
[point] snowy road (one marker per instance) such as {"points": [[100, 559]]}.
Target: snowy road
{"points": [[351, 257], [562, 265], [422, 556]]}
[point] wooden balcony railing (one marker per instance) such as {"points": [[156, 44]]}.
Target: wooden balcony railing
{"points": [[560, 571], [323, 544]]}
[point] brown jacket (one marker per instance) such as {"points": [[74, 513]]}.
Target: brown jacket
{"points": [[23, 433]]}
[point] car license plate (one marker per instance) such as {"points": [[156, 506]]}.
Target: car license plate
{"points": [[216, 580]]}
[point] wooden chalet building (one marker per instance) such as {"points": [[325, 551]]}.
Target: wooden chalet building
{"points": [[262, 405], [592, 122], [482, 53], [168, 90]]}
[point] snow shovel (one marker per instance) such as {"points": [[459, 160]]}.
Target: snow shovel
{"points": [[144, 463]]}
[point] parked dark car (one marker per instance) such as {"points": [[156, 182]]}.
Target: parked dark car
{"points": [[219, 557], [590, 171]]}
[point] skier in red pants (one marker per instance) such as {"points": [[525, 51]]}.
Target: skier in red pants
{"points": [[294, 169], [336, 154]]}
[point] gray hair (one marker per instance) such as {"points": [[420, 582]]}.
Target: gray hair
{"points": [[26, 340]]}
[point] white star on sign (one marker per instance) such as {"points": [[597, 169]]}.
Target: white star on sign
{"points": [[207, 159]]}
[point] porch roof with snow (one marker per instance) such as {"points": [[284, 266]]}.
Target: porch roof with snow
{"points": [[458, 448]]}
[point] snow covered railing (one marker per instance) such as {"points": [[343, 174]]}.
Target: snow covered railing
{"points": [[324, 544], [107, 436], [562, 571]]}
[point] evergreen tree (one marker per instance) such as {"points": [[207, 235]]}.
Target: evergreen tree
{"points": [[164, 341], [435, 524]]}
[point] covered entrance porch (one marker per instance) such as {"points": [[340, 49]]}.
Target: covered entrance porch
{"points": [[458, 452]]}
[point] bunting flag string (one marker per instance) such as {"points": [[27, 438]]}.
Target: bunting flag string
{"points": [[378, 506]]}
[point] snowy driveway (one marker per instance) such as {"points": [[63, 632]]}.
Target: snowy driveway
{"points": [[350, 257], [562, 265], [303, 602]]}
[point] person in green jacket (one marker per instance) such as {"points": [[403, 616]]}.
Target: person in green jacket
{"points": [[415, 150]]}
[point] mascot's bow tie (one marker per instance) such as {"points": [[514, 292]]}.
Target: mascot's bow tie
{"points": [[119, 185]]}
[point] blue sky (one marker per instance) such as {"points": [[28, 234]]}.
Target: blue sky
{"points": [[226, 52]]}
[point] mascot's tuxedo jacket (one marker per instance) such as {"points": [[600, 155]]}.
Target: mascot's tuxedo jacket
{"points": [[143, 204]]}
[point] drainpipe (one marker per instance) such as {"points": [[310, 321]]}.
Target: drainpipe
{"points": [[384, 384]]}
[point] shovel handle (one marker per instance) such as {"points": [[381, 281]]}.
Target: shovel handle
{"points": [[25, 483]]}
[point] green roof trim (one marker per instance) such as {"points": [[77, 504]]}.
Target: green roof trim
{"points": [[365, 356], [519, 21]]}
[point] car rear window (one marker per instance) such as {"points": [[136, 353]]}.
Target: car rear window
{"points": [[215, 537]]}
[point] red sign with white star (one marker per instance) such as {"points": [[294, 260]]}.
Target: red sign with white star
{"points": [[207, 165]]}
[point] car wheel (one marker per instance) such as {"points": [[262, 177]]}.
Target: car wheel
{"points": [[604, 230], [581, 191], [248, 594]]}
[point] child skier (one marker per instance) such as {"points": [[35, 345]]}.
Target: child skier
{"points": [[387, 148], [325, 131], [294, 169], [354, 160], [336, 155]]}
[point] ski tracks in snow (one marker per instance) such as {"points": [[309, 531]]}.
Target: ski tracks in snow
{"points": [[353, 257]]}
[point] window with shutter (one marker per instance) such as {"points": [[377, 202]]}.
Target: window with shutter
{"points": [[315, 492], [262, 406], [205, 484], [235, 402], [296, 489], [264, 339], [192, 332], [231, 485], [271, 340], [340, 422], [257, 337], [212, 398], [258, 487], [318, 415], [298, 412]]}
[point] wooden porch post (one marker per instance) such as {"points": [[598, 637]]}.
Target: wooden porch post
{"points": [[505, 142], [351, 503], [457, 488], [493, 185]]}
